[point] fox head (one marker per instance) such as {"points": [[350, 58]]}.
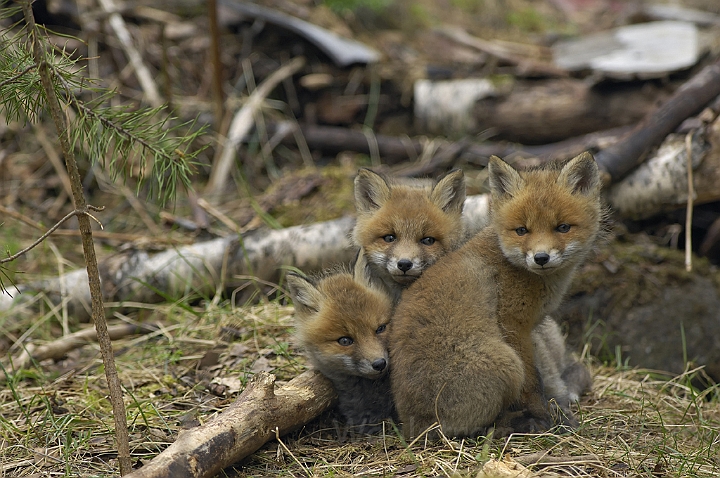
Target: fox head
{"points": [[405, 226], [341, 324], [546, 218]]}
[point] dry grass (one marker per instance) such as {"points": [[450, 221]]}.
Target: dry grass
{"points": [[56, 421]]}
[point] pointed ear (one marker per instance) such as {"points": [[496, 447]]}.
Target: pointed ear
{"points": [[371, 191], [449, 192], [580, 174], [306, 297], [504, 179]]}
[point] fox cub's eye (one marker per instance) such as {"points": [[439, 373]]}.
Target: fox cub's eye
{"points": [[381, 329], [389, 238], [428, 241], [521, 231], [345, 341], [563, 228]]}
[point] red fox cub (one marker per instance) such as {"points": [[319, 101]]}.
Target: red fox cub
{"points": [[342, 325], [461, 342], [404, 226]]}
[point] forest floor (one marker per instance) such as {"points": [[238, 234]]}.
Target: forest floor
{"points": [[55, 419]]}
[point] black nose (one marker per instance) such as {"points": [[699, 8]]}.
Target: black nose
{"points": [[541, 258], [379, 364], [404, 265]]}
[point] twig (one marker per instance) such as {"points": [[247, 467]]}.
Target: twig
{"points": [[15, 77], [287, 450], [76, 212], [542, 459], [527, 65], [143, 74], [689, 207], [243, 121], [60, 347]]}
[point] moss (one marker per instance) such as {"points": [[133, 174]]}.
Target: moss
{"points": [[333, 198]]}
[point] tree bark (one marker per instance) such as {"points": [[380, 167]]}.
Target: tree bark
{"points": [[620, 158], [253, 419], [554, 110]]}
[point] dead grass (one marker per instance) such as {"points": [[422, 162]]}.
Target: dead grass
{"points": [[55, 419]]}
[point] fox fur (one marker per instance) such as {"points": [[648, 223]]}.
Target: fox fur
{"points": [[404, 225], [342, 324], [461, 339]]}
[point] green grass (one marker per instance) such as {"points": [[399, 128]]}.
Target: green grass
{"points": [[55, 418]]}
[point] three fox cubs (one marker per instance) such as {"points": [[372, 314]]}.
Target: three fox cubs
{"points": [[462, 335], [404, 226], [461, 344], [342, 325]]}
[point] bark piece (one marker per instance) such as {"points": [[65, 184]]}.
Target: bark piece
{"points": [[243, 427], [342, 51], [645, 50]]}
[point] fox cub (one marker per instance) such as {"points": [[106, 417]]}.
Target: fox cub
{"points": [[342, 326], [404, 225], [461, 340]]}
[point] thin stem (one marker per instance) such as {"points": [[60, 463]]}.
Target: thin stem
{"points": [[96, 299], [19, 75]]}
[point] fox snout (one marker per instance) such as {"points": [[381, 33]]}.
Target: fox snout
{"points": [[404, 265], [379, 364], [541, 258]]}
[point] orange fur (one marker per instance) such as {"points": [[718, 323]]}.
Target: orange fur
{"points": [[461, 339], [342, 324], [404, 226]]}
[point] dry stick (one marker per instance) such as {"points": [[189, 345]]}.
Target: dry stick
{"points": [[98, 310], [689, 208], [243, 121], [620, 158], [76, 212], [60, 347], [143, 74], [243, 427]]}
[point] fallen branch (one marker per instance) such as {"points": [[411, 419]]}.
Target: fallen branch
{"points": [[57, 349], [243, 121], [394, 149], [143, 73], [253, 419], [620, 158]]}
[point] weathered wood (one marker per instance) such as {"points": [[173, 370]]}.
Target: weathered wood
{"points": [[60, 347], [620, 158], [243, 427], [542, 112]]}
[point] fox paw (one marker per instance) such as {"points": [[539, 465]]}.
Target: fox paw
{"points": [[521, 422]]}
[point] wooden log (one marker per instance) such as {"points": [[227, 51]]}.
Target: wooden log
{"points": [[620, 158], [547, 111], [243, 427]]}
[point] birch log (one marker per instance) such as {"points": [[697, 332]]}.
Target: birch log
{"points": [[204, 267], [243, 427]]}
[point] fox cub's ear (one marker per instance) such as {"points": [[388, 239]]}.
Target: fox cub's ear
{"points": [[504, 179], [580, 174], [371, 191], [449, 192], [306, 297]]}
